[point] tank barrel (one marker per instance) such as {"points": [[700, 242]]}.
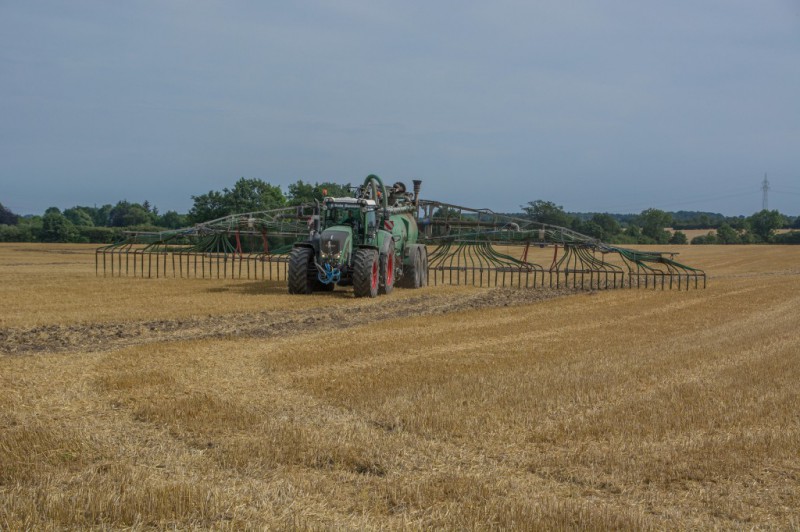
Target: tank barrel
{"points": [[417, 186]]}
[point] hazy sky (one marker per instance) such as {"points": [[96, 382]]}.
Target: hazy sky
{"points": [[599, 105]]}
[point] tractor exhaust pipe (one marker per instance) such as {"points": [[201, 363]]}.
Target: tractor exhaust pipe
{"points": [[417, 186]]}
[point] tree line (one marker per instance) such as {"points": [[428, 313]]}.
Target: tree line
{"points": [[107, 223], [654, 226]]}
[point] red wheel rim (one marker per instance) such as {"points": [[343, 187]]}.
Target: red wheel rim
{"points": [[390, 270], [374, 274]]}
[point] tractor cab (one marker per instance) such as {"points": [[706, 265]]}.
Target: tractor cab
{"points": [[346, 224], [354, 216]]}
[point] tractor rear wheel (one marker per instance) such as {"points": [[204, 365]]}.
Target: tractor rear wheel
{"points": [[300, 278], [413, 271], [387, 271], [365, 272], [423, 266]]}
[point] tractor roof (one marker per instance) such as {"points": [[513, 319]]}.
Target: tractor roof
{"points": [[350, 202]]}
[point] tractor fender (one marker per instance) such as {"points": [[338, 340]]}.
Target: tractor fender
{"points": [[387, 243], [408, 253], [311, 244]]}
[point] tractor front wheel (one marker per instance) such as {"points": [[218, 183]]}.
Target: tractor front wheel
{"points": [[300, 264], [365, 272]]}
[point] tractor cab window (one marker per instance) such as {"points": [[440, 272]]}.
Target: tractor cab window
{"points": [[333, 216], [371, 221], [341, 216], [349, 216]]}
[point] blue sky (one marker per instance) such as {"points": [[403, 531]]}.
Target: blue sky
{"points": [[596, 105]]}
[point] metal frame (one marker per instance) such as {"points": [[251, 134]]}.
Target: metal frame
{"points": [[466, 247]]}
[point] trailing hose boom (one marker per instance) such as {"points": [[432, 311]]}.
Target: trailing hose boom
{"points": [[380, 237]]}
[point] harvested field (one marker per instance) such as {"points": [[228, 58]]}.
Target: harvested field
{"points": [[693, 233], [135, 403]]}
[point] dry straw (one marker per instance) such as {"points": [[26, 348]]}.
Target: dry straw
{"points": [[624, 409]]}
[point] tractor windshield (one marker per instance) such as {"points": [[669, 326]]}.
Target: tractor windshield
{"points": [[332, 243], [342, 216]]}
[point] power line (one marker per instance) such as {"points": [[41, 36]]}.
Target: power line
{"points": [[765, 189], [786, 188], [695, 200], [781, 191]]}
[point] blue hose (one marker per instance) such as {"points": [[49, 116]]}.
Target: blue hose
{"points": [[331, 275]]}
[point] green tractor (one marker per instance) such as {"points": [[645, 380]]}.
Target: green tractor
{"points": [[368, 241]]}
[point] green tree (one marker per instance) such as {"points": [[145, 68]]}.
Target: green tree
{"points": [[609, 224], [250, 195], [171, 220], [710, 238], [587, 227], [79, 216], [679, 238], [100, 235], [764, 223], [150, 208], [125, 214], [101, 216], [633, 231], [792, 237], [7, 217], [546, 212], [30, 228], [653, 222], [209, 206], [738, 223], [56, 228], [301, 192], [590, 228], [247, 195], [10, 233], [727, 235], [602, 226]]}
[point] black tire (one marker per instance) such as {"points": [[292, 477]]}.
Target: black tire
{"points": [[423, 266], [417, 279], [387, 267], [365, 273], [412, 272], [300, 279]]}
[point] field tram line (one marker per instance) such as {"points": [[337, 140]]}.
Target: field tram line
{"points": [[98, 337]]}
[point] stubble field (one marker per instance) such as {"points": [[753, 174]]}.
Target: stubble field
{"points": [[135, 403]]}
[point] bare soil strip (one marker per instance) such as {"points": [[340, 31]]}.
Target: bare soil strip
{"points": [[95, 337]]}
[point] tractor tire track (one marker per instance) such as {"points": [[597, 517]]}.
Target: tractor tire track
{"points": [[94, 337]]}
